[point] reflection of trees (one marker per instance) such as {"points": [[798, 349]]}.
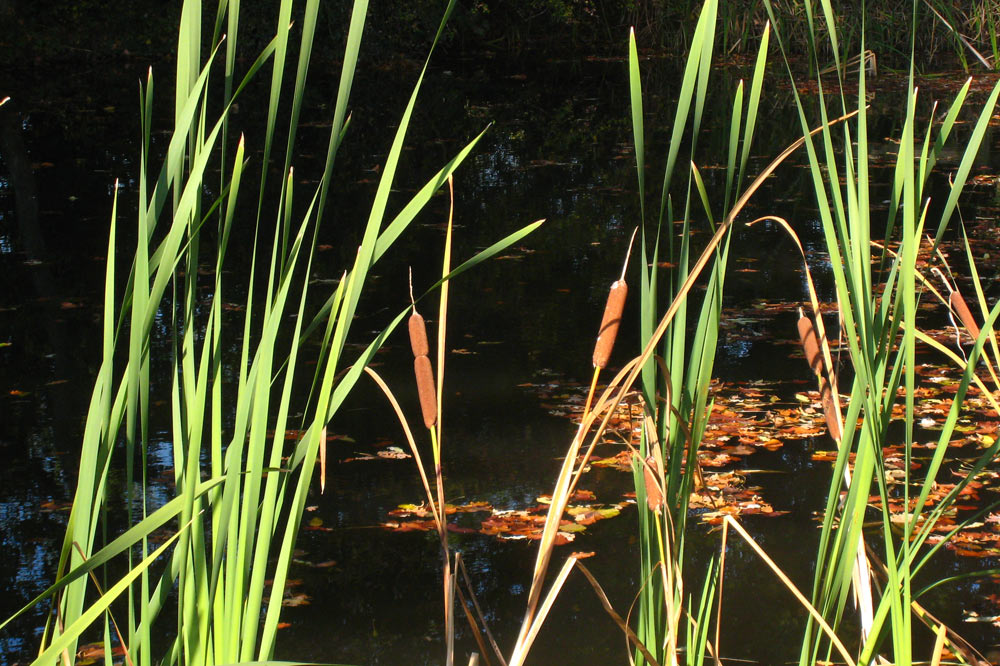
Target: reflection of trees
{"points": [[31, 243], [31, 427], [27, 227], [80, 31], [22, 181]]}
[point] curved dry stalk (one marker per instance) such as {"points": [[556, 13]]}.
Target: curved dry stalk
{"points": [[607, 406], [438, 518], [100, 591], [476, 633], [962, 365], [861, 576], [634, 367], [827, 629], [722, 580], [606, 604], [635, 600], [956, 306], [460, 566], [524, 644], [661, 568], [831, 376], [951, 311], [946, 635], [560, 499], [938, 645]]}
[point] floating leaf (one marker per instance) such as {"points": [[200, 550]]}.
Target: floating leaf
{"points": [[301, 599]]}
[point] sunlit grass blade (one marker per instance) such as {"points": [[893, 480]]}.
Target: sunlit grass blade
{"points": [[240, 529], [69, 637], [970, 151], [787, 582]]}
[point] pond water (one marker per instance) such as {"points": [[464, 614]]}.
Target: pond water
{"points": [[520, 334]]}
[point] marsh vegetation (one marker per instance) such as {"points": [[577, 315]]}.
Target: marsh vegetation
{"points": [[789, 418]]}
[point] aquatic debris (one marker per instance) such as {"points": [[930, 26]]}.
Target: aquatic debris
{"points": [[91, 653], [726, 494], [507, 524], [388, 453]]}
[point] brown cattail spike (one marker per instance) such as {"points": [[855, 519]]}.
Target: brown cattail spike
{"points": [[609, 323], [830, 411], [810, 345], [960, 307], [425, 388], [650, 475], [418, 335]]}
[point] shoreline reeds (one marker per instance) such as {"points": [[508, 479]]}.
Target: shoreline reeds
{"points": [[239, 490], [240, 494]]}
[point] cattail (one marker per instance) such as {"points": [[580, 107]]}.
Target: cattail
{"points": [[418, 335], [810, 345], [609, 327], [654, 491], [425, 388], [612, 316], [960, 307], [830, 410], [609, 323], [421, 364], [654, 496]]}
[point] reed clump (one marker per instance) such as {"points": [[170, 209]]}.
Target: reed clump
{"points": [[240, 491], [240, 495]]}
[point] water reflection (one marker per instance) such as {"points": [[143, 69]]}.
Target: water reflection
{"points": [[551, 152]]}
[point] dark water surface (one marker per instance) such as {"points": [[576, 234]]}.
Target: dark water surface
{"points": [[558, 148]]}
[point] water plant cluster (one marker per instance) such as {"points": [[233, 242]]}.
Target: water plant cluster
{"points": [[190, 580]]}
